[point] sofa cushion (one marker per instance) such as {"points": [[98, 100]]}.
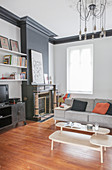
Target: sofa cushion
{"points": [[101, 108], [76, 116], [90, 105], [109, 111], [79, 105], [102, 101], [102, 120], [69, 101]]}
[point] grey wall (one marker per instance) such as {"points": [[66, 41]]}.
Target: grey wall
{"points": [[38, 42], [32, 39], [102, 68]]}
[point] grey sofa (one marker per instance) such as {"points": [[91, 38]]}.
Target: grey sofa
{"points": [[87, 116]]}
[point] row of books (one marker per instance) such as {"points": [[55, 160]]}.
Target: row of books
{"points": [[15, 60]]}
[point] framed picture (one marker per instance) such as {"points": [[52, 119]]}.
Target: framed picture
{"points": [[14, 45], [37, 67], [23, 75], [4, 42]]}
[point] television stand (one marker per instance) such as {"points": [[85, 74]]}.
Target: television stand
{"points": [[10, 115], [2, 104]]}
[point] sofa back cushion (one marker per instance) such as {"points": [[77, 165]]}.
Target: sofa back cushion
{"points": [[109, 111], [79, 105], [90, 105], [102, 101], [69, 101]]}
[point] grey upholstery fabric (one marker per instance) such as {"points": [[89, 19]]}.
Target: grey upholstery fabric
{"points": [[76, 116], [69, 101], [102, 101], [58, 118], [59, 113], [90, 105], [85, 117], [102, 120]]}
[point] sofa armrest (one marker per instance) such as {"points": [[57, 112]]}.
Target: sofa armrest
{"points": [[60, 112], [63, 109]]}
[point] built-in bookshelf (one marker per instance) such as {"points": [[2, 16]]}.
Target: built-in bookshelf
{"points": [[12, 52], [12, 61], [9, 80], [8, 65]]}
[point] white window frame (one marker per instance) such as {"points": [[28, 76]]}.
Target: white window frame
{"points": [[68, 68]]}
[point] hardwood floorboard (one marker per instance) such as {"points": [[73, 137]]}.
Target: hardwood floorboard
{"points": [[28, 147]]}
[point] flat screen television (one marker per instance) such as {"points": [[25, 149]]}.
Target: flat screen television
{"points": [[4, 93]]}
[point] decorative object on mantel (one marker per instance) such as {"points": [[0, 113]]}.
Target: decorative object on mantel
{"points": [[37, 67], [46, 78], [4, 42], [91, 10], [50, 80], [14, 45]]}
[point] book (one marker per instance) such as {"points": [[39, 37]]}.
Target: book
{"points": [[7, 59], [15, 60]]}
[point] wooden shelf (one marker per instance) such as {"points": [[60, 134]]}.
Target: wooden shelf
{"points": [[8, 65], [12, 52], [7, 126], [5, 116], [4, 80]]}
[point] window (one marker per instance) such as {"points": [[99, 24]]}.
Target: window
{"points": [[80, 69]]}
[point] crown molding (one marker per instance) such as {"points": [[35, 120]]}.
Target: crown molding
{"points": [[76, 38], [9, 16], [17, 21], [37, 26]]}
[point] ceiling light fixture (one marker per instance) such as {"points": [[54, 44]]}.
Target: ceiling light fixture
{"points": [[94, 9]]}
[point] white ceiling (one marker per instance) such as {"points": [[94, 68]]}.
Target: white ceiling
{"points": [[56, 15]]}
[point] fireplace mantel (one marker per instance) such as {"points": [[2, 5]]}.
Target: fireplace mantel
{"points": [[36, 93]]}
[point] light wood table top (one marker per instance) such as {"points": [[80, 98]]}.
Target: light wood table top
{"points": [[65, 108], [103, 131], [101, 140], [73, 138]]}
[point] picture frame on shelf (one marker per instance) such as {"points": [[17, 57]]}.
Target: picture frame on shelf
{"points": [[23, 75], [14, 45], [4, 42]]}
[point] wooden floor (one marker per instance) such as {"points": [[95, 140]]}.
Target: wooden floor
{"points": [[28, 148]]}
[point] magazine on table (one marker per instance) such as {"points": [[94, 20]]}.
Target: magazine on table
{"points": [[73, 125]]}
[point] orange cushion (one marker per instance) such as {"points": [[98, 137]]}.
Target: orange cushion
{"points": [[101, 108]]}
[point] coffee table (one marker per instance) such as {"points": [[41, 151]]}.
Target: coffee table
{"points": [[83, 128], [103, 141], [96, 142]]}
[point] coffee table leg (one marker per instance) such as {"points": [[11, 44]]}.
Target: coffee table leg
{"points": [[105, 148], [61, 129], [52, 145], [101, 154]]}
